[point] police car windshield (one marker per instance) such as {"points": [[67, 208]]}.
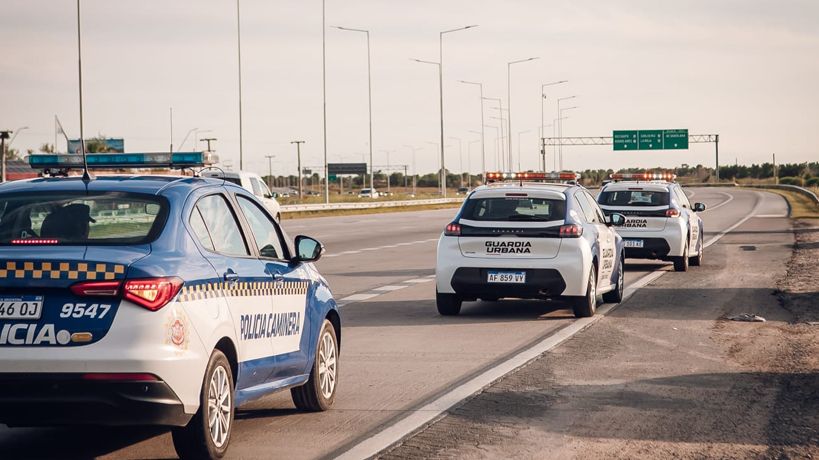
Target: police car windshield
{"points": [[514, 209], [633, 198], [81, 219]]}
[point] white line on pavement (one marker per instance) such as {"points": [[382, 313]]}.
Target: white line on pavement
{"points": [[390, 246], [417, 418], [730, 199], [419, 280], [389, 288], [359, 297]]}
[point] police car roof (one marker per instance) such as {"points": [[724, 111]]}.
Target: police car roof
{"points": [[653, 185], [493, 188], [122, 183]]}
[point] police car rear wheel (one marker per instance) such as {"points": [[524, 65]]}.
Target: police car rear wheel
{"points": [[616, 296], [207, 435], [585, 306], [448, 304], [681, 263], [319, 393]]}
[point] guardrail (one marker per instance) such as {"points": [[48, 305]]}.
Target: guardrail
{"points": [[365, 204], [710, 184], [793, 188]]}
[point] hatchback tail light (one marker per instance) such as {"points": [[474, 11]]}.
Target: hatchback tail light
{"points": [[672, 212], [152, 293], [571, 231], [97, 288], [452, 229]]}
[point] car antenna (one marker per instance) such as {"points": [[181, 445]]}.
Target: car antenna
{"points": [[86, 177]]}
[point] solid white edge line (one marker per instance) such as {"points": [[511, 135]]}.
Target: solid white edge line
{"points": [[418, 418], [730, 199]]}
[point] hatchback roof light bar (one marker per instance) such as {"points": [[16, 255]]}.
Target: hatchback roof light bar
{"points": [[532, 176], [163, 160], [645, 176]]}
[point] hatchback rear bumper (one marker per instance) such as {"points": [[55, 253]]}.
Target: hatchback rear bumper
{"points": [[68, 399], [471, 282]]}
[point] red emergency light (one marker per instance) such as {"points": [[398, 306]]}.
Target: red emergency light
{"points": [[532, 176], [645, 176]]}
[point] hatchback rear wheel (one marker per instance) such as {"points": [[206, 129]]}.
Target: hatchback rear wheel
{"points": [[585, 306], [448, 304]]}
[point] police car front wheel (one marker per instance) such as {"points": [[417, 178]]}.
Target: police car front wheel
{"points": [[207, 435], [319, 393]]}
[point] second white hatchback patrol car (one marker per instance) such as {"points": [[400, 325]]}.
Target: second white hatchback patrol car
{"points": [[516, 239], [660, 221]]}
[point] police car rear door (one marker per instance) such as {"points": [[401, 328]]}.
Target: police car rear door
{"points": [[291, 320], [244, 281]]}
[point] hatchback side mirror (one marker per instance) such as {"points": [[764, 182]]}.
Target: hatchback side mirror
{"points": [[699, 207], [308, 249], [616, 219]]}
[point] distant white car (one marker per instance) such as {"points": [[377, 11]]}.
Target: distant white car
{"points": [[368, 193], [254, 184]]}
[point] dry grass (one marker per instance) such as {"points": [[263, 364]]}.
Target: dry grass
{"points": [[801, 206]]}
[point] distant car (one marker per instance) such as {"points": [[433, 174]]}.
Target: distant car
{"points": [[660, 221], [531, 241], [254, 184], [462, 191], [156, 300], [368, 193]]}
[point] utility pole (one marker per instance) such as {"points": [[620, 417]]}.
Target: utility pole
{"points": [[239, 66], [388, 170], [298, 154], [269, 168], [324, 100], [716, 151], [3, 136], [775, 172], [209, 140]]}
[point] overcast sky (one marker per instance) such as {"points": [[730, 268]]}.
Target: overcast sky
{"points": [[746, 69]]}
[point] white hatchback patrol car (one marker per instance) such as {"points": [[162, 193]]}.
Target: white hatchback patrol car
{"points": [[516, 239], [660, 221]]}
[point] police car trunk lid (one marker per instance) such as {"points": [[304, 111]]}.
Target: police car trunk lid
{"points": [[640, 216]]}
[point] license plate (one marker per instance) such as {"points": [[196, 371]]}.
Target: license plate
{"points": [[633, 243], [21, 307], [506, 277]]}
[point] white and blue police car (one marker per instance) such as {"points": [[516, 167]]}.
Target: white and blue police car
{"points": [[516, 238], [155, 300], [660, 221]]}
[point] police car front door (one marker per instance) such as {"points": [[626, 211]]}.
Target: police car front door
{"points": [[291, 322], [243, 281]]}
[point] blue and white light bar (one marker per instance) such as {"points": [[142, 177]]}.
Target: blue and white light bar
{"points": [[175, 160]]}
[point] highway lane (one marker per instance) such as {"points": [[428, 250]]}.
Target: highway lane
{"points": [[397, 352]]}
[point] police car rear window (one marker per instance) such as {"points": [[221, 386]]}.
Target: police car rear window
{"points": [[633, 198], [514, 209], [84, 219]]}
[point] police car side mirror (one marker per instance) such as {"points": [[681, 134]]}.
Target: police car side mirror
{"points": [[308, 249], [699, 207], [616, 219]]}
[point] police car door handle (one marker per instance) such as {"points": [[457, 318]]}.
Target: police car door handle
{"points": [[278, 277], [231, 276]]}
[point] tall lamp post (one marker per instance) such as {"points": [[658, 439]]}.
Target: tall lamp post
{"points": [[509, 99], [270, 170], [461, 157], [414, 171], [559, 122], [369, 96], [298, 159], [542, 125], [483, 147], [388, 152], [497, 147], [504, 166], [441, 174], [500, 114], [469, 160], [561, 132], [520, 168], [555, 124], [239, 54], [324, 101]]}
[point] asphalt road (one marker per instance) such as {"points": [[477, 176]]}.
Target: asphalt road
{"points": [[397, 352]]}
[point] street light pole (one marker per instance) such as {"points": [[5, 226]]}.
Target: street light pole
{"points": [[560, 128], [270, 170], [388, 169], [542, 126], [461, 156], [414, 171], [369, 96], [469, 161], [509, 100], [298, 156], [561, 132], [239, 54], [520, 168], [3, 136], [324, 101], [483, 149], [497, 147], [500, 117]]}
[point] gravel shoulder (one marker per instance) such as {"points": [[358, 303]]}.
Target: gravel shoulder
{"points": [[667, 375]]}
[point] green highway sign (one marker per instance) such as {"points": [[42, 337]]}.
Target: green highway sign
{"points": [[675, 139], [625, 140], [651, 139]]}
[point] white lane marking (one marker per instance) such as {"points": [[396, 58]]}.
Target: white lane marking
{"points": [[771, 216], [690, 193], [388, 288], [360, 297], [730, 199], [390, 246], [419, 280], [419, 417]]}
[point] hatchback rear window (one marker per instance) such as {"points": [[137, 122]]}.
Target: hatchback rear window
{"points": [[515, 209], [81, 219], [633, 198]]}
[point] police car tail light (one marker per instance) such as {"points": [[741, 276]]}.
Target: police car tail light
{"points": [[452, 229], [571, 231], [672, 212], [152, 293], [120, 377], [35, 241], [96, 288]]}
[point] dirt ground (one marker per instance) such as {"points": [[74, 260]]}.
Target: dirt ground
{"points": [[667, 375]]}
